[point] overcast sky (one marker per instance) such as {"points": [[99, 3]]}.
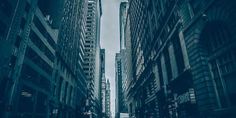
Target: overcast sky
{"points": [[110, 37], [110, 41]]}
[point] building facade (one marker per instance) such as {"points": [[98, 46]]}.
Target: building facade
{"points": [[103, 96], [10, 42], [118, 83], [70, 78], [128, 66], [178, 65], [122, 16], [92, 65], [208, 25], [103, 84], [120, 105], [33, 63], [44, 77], [121, 64], [108, 100], [160, 72], [124, 63]]}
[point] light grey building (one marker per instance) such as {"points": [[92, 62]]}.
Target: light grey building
{"points": [[122, 18], [103, 96], [120, 105], [103, 84], [92, 63], [121, 64], [108, 100]]}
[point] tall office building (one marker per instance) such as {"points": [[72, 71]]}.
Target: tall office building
{"points": [[122, 16], [31, 39], [10, 42], [39, 80], [123, 61], [92, 54], [179, 62], [103, 96], [103, 84], [108, 100], [70, 79], [118, 83], [128, 66], [28, 47], [103, 60], [158, 62], [120, 105]]}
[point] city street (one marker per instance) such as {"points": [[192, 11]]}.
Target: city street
{"points": [[117, 59]]}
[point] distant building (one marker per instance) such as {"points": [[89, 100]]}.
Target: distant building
{"points": [[121, 67], [124, 63], [108, 100], [120, 105], [118, 83], [121, 58], [128, 65], [122, 16], [103, 84], [103, 96]]}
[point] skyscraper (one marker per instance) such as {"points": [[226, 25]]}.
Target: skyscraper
{"points": [[103, 60], [157, 61], [123, 15], [128, 66], [120, 105], [118, 83], [92, 54], [103, 96], [103, 84], [70, 79], [108, 99], [122, 80], [11, 50], [181, 58], [27, 90]]}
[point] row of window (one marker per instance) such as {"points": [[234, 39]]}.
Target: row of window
{"points": [[44, 32], [30, 74], [39, 43], [65, 92], [38, 60]]}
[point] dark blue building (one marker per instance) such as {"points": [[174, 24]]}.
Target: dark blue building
{"points": [[183, 58]]}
